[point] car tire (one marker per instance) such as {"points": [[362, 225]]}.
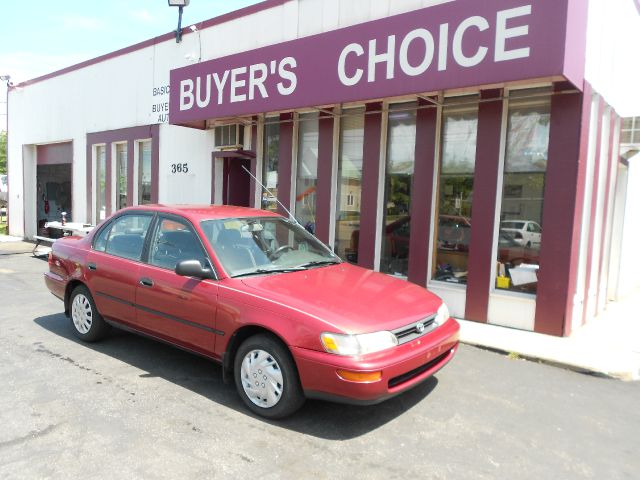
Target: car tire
{"points": [[266, 377], [88, 325]]}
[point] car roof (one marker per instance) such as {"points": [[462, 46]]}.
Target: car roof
{"points": [[197, 213]]}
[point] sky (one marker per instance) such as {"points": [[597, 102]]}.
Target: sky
{"points": [[41, 36]]}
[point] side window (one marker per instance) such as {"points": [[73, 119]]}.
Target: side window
{"points": [[100, 242], [173, 242], [126, 236]]}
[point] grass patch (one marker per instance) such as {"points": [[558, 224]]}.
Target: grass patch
{"points": [[513, 356]]}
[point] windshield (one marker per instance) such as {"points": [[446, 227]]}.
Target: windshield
{"points": [[260, 245]]}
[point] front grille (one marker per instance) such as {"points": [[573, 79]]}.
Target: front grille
{"points": [[410, 332], [405, 377]]}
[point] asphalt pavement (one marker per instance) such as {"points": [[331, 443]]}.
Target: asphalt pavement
{"points": [[129, 407]]}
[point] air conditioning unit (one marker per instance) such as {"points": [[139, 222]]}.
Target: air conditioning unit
{"points": [[229, 136]]}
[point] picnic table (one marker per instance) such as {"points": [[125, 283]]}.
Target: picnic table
{"points": [[68, 229]]}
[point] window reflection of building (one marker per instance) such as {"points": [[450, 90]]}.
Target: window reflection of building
{"points": [[121, 175], [144, 172], [307, 170], [455, 189], [630, 132], [525, 169], [270, 157], [401, 141], [349, 183], [101, 182]]}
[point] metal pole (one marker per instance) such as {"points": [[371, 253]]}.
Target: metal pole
{"points": [[179, 30]]}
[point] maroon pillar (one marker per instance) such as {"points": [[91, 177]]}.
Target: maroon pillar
{"points": [[370, 182], [485, 188], [325, 167], [285, 162], [254, 169], [562, 210], [422, 192]]}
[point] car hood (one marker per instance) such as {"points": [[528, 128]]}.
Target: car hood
{"points": [[351, 298]]}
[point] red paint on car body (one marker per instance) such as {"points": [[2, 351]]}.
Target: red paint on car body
{"points": [[203, 315]]}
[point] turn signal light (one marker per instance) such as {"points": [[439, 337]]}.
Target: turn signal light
{"points": [[361, 377]]}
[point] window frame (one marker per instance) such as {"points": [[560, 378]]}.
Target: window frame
{"points": [[109, 224], [153, 228], [437, 180], [504, 132]]}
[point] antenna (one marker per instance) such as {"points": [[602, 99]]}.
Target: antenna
{"points": [[272, 195]]}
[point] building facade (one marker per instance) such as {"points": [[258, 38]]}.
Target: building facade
{"points": [[456, 144]]}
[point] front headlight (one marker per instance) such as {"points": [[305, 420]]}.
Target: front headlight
{"points": [[341, 344], [442, 315]]}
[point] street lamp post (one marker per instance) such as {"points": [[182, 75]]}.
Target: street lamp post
{"points": [[180, 4]]}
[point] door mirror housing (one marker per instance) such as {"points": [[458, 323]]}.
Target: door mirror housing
{"points": [[193, 268]]}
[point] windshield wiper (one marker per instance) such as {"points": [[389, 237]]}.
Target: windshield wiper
{"points": [[317, 263], [262, 271]]}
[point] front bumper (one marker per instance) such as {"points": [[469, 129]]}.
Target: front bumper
{"points": [[402, 367]]}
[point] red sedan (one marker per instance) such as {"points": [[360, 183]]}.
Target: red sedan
{"points": [[285, 317]]}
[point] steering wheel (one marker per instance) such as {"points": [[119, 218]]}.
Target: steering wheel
{"points": [[279, 251]]}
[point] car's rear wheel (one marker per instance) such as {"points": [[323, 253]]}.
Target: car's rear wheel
{"points": [[88, 324], [266, 377]]}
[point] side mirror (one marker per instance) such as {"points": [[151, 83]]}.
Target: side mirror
{"points": [[193, 268]]}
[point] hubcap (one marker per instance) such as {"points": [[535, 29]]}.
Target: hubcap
{"points": [[81, 313], [261, 378]]}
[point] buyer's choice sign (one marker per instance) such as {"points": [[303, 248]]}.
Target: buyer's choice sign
{"points": [[455, 44]]}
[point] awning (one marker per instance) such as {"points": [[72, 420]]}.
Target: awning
{"points": [[234, 154]]}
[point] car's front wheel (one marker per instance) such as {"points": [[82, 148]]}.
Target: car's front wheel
{"points": [[88, 324], [266, 377]]}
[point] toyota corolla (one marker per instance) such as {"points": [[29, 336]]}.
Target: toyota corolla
{"points": [[254, 291]]}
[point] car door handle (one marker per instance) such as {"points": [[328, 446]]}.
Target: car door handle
{"points": [[146, 282], [92, 266]]}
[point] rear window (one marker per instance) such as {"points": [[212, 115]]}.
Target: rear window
{"points": [[516, 225]]}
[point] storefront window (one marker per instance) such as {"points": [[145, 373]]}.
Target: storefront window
{"points": [[455, 189], [270, 162], [144, 172], [121, 175], [520, 234], [396, 229], [101, 183], [349, 184], [307, 171]]}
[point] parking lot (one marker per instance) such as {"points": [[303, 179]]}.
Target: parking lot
{"points": [[132, 408]]}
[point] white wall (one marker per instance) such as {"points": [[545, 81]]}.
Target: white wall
{"points": [[181, 146], [629, 278], [612, 65]]}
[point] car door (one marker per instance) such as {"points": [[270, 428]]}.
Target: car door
{"points": [[176, 308], [113, 263]]}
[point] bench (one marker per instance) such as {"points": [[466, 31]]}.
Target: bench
{"points": [[39, 239]]}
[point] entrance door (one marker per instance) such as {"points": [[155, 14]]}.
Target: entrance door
{"points": [[236, 187]]}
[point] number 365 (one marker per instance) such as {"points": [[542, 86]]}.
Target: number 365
{"points": [[179, 168]]}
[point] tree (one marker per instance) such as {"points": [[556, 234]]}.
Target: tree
{"points": [[3, 152]]}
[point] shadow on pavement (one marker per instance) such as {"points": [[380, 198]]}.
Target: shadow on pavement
{"points": [[320, 419]]}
